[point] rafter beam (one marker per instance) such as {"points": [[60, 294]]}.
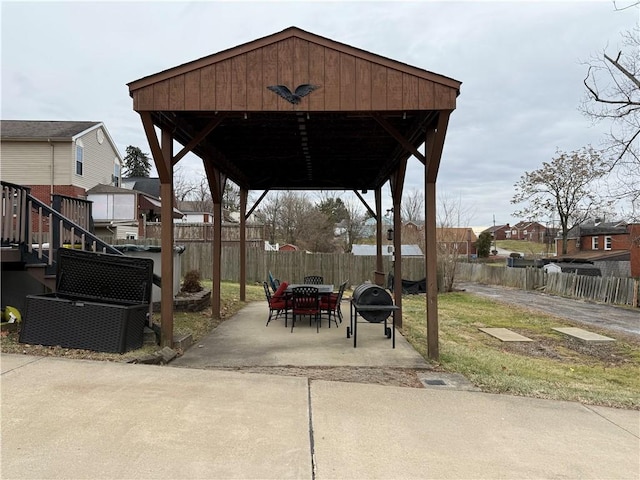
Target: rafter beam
{"points": [[366, 205], [199, 137], [257, 202], [399, 137]]}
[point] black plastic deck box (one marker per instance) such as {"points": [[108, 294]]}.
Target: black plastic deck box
{"points": [[101, 303]]}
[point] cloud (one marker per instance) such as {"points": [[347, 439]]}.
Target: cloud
{"points": [[520, 64]]}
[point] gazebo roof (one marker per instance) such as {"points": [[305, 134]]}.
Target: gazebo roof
{"points": [[361, 116]]}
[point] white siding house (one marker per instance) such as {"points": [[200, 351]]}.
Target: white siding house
{"points": [[58, 157]]}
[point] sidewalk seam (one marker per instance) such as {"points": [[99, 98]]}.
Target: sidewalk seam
{"points": [[311, 438], [611, 421], [35, 359]]}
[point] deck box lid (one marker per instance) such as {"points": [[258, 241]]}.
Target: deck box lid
{"points": [[103, 277]]}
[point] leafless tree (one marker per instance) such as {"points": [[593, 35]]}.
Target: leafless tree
{"points": [[231, 197], [452, 238], [566, 187], [613, 95], [267, 214], [315, 232], [201, 196], [412, 207], [183, 187], [353, 224]]}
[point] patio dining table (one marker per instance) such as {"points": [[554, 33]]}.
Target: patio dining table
{"points": [[324, 289]]}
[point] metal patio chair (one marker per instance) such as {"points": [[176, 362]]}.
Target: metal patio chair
{"points": [[305, 301]]}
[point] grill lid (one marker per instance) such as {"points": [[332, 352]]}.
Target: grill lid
{"points": [[369, 295]]}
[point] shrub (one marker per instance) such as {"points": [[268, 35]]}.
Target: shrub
{"points": [[191, 282]]}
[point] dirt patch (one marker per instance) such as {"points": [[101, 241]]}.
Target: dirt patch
{"points": [[563, 348], [397, 377]]}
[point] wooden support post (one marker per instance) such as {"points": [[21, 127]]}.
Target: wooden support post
{"points": [[397, 264], [379, 234], [431, 267], [216, 181], [397, 182], [243, 244], [166, 236], [217, 259]]}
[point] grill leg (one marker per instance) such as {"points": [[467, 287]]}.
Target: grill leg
{"points": [[355, 327]]}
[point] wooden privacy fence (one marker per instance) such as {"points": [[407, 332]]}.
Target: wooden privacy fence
{"points": [[612, 290], [293, 266], [522, 278], [618, 291], [338, 267]]}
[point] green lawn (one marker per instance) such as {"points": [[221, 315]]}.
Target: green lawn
{"points": [[526, 247], [552, 366]]}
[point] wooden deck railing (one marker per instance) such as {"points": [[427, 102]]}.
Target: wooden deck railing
{"points": [[38, 230]]}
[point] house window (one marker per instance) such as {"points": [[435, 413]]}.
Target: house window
{"points": [[607, 243], [594, 243], [116, 174], [79, 158]]}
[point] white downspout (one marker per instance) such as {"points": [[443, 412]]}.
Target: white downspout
{"points": [[52, 166]]}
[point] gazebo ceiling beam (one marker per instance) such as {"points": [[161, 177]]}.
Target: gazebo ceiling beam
{"points": [[199, 137], [399, 137]]}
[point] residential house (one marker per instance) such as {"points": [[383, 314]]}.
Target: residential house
{"points": [[413, 232], [457, 240], [369, 227], [614, 247], [530, 231], [147, 185], [499, 232], [123, 213], [196, 211], [58, 157]]}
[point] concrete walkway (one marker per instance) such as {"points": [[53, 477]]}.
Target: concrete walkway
{"points": [[75, 419]]}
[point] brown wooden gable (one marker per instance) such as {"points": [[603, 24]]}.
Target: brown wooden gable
{"points": [[349, 79]]}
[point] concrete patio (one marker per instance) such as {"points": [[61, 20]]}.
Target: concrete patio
{"points": [[245, 341]]}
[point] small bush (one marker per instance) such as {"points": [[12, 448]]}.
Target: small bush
{"points": [[191, 282]]}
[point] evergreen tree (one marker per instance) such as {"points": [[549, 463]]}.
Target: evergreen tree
{"points": [[136, 163], [483, 245]]}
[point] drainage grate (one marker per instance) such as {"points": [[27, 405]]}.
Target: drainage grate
{"points": [[435, 382]]}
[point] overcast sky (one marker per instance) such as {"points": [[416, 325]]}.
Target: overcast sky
{"points": [[521, 65]]}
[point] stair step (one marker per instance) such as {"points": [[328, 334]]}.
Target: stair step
{"points": [[9, 254]]}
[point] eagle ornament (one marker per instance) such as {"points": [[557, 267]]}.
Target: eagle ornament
{"points": [[295, 97]]}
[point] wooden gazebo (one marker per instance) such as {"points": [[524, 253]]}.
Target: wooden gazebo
{"points": [[297, 111]]}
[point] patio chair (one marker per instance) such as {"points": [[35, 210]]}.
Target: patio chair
{"points": [[273, 282], [305, 301], [331, 304], [313, 280], [278, 303]]}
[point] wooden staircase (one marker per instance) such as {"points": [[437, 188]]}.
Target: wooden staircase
{"points": [[32, 232]]}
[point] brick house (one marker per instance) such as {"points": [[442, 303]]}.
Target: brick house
{"points": [[456, 240], [531, 231], [499, 232], [58, 157], [599, 242]]}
